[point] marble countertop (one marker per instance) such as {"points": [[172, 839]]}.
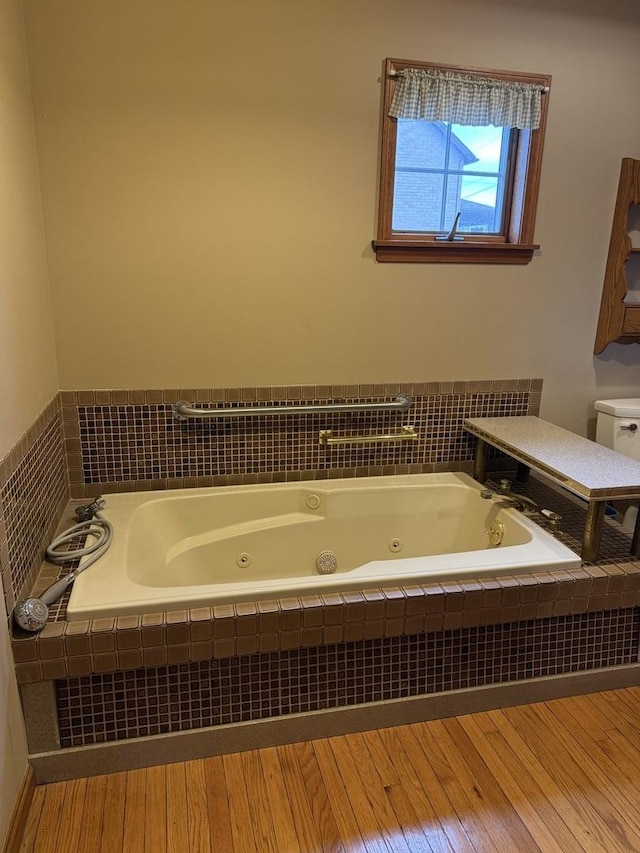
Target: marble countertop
{"points": [[578, 464]]}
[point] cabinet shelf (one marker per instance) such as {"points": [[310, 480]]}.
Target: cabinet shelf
{"points": [[619, 320]]}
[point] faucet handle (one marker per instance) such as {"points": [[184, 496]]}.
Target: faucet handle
{"points": [[505, 485], [553, 518]]}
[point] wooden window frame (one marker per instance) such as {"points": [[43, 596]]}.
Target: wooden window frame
{"points": [[516, 245]]}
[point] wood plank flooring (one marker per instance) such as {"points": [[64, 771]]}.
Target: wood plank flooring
{"points": [[557, 777]]}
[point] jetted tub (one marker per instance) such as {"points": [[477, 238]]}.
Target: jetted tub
{"points": [[197, 547]]}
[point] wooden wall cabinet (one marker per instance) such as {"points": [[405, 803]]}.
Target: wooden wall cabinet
{"points": [[619, 318]]}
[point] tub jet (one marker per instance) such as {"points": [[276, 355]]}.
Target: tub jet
{"points": [[326, 562]]}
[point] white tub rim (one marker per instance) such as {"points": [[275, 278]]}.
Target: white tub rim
{"points": [[113, 600]]}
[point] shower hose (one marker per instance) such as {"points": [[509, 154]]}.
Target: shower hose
{"points": [[99, 532], [32, 613]]}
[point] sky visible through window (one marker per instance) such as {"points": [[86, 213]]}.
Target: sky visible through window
{"points": [[486, 144], [442, 169]]}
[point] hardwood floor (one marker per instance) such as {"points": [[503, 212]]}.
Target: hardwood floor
{"points": [[556, 776]]}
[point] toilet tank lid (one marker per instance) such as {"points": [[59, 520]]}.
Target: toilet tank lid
{"points": [[626, 408]]}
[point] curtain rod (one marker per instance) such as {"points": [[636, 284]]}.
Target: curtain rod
{"points": [[543, 89]]}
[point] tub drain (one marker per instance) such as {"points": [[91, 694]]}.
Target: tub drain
{"points": [[495, 534], [243, 559], [326, 562]]}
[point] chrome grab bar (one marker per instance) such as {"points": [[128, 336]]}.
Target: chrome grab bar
{"points": [[408, 433], [183, 410]]}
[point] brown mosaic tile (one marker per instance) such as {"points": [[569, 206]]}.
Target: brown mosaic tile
{"points": [[373, 629], [177, 654], [434, 622], [153, 637], [130, 659], [177, 634], [248, 645], [27, 673], [54, 648], [103, 642], [103, 626], [268, 683], [472, 618], [149, 620], [435, 599], [581, 605], [223, 628], [508, 614], [116, 436], [331, 634], [127, 622], [201, 651], [354, 632], [77, 646], [224, 648], [200, 631], [394, 627], [452, 621], [491, 598], [80, 666], [313, 616], [613, 600], [354, 612], [53, 669], [25, 652], [526, 612], [200, 614], [271, 642], [127, 639], [51, 631], [75, 629], [107, 662], [154, 657], [33, 493]]}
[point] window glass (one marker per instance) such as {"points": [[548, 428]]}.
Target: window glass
{"points": [[442, 169], [431, 171]]}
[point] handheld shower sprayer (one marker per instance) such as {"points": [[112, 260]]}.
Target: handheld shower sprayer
{"points": [[32, 613]]}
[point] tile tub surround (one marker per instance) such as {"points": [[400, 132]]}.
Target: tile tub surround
{"points": [[65, 649], [34, 491], [589, 617], [129, 440], [72, 649], [159, 700]]}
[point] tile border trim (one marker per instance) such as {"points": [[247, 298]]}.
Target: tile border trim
{"points": [[118, 756], [73, 649]]}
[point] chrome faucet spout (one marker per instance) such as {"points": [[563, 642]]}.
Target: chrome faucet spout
{"points": [[522, 503], [509, 498]]}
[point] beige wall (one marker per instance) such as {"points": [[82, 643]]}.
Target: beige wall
{"points": [[209, 174], [208, 179], [28, 377]]}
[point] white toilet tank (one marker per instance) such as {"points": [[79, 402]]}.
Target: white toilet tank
{"points": [[618, 425]]}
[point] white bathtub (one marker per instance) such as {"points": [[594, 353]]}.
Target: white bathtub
{"points": [[198, 547]]}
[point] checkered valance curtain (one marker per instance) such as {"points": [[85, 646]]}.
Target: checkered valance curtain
{"points": [[465, 99]]}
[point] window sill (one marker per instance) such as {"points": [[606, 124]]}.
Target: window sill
{"points": [[455, 252]]}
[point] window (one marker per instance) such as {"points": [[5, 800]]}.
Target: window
{"points": [[460, 183]]}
